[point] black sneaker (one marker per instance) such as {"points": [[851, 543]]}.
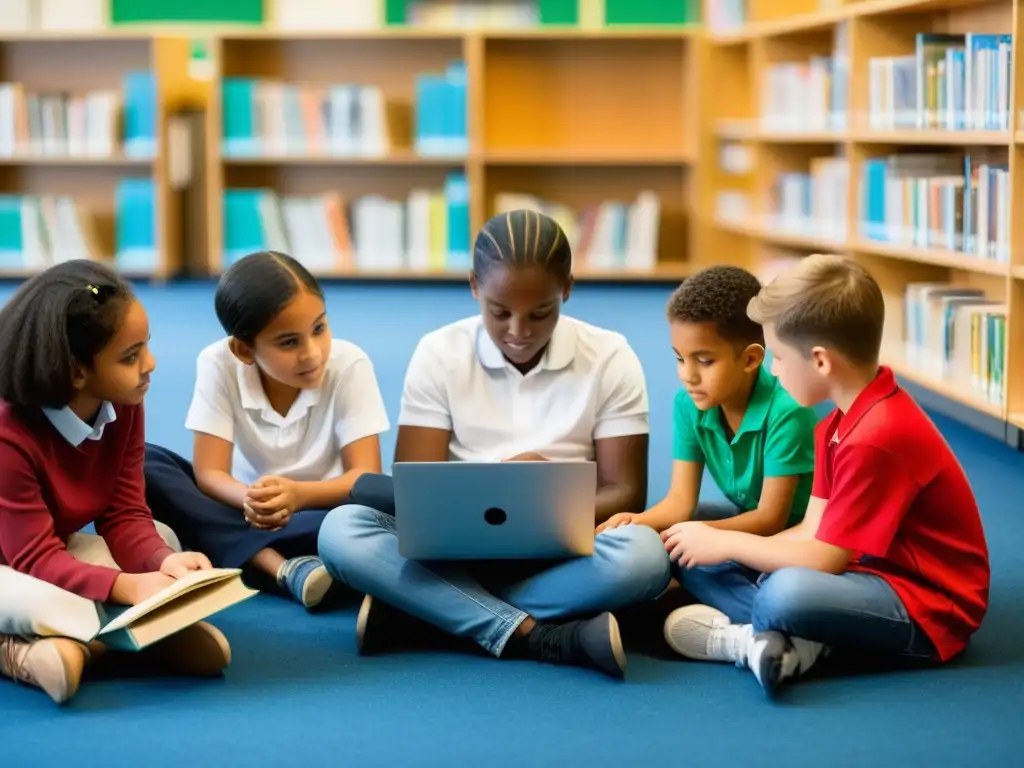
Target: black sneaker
{"points": [[593, 643]]}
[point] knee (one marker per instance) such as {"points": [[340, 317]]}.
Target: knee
{"points": [[786, 592], [168, 535], [342, 533], [637, 556]]}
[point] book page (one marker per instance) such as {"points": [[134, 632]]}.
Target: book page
{"points": [[179, 587]]}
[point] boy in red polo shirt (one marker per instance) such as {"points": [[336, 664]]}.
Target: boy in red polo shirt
{"points": [[891, 555]]}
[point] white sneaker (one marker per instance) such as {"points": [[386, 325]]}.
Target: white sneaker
{"points": [[53, 664], [775, 658], [705, 633]]}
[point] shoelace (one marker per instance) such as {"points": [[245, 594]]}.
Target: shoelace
{"points": [[292, 565], [14, 659]]}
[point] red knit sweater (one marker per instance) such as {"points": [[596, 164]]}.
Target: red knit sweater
{"points": [[50, 489]]}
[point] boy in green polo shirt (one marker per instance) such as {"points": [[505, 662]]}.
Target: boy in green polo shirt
{"points": [[731, 416]]}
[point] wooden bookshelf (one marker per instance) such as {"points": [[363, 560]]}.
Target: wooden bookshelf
{"points": [[79, 64], [550, 114], [755, 149]]}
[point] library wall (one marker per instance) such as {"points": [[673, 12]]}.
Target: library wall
{"points": [[372, 138]]}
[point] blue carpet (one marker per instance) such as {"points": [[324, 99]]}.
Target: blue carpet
{"points": [[297, 691]]}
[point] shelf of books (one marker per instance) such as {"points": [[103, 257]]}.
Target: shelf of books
{"points": [[83, 161], [884, 130], [375, 150]]}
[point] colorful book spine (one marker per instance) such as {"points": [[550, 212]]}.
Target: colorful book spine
{"points": [[813, 204], [939, 201], [331, 235], [607, 236], [441, 127], [950, 82], [957, 334]]}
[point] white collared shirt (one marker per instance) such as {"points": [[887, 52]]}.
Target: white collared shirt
{"points": [[305, 444], [76, 431], [588, 386]]}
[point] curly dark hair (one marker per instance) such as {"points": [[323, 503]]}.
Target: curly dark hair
{"points": [[719, 295]]}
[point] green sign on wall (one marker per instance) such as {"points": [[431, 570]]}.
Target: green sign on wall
{"points": [[230, 11]]}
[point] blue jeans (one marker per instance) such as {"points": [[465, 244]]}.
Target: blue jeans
{"points": [[852, 610], [359, 546]]}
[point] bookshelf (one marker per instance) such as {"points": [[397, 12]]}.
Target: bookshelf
{"points": [[839, 128], [549, 122], [83, 150]]}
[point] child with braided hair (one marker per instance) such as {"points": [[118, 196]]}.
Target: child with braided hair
{"points": [[519, 381]]}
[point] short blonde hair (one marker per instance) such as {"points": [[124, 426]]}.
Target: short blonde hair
{"points": [[828, 301]]}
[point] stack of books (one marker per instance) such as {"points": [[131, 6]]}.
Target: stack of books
{"points": [[950, 82], [945, 201], [611, 235], [957, 334], [429, 231], [99, 123]]}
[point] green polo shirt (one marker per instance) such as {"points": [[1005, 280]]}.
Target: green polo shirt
{"points": [[775, 439]]}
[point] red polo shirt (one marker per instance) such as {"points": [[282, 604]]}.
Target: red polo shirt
{"points": [[899, 499], [50, 489]]}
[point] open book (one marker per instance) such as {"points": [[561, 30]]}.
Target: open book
{"points": [[188, 600]]}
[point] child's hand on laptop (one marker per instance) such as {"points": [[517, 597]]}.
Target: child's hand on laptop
{"points": [[622, 518], [528, 456]]}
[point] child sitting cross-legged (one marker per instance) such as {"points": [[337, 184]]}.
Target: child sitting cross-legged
{"points": [[890, 557], [731, 416]]}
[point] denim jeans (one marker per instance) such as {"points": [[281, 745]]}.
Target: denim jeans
{"points": [[359, 546], [853, 610]]}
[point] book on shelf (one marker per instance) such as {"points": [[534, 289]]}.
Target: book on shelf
{"points": [[429, 231], [724, 16], [611, 235], [950, 82], [304, 15], [37, 232], [813, 204], [135, 246], [956, 334], [263, 117], [97, 123], [52, 15], [189, 600], [808, 95], [441, 126], [950, 201], [460, 14]]}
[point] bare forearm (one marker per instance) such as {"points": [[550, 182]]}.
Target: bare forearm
{"points": [[615, 498], [222, 487], [327, 494], [666, 513], [773, 553], [759, 522]]}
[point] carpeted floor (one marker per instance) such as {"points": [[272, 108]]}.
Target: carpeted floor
{"points": [[297, 693]]}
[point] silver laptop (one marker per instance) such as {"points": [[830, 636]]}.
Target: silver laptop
{"points": [[495, 510]]}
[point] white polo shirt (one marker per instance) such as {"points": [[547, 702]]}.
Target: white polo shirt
{"points": [[588, 386], [304, 445]]}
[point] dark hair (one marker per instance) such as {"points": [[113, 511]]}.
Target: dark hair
{"points": [[719, 295], [256, 288], [59, 318], [523, 238]]}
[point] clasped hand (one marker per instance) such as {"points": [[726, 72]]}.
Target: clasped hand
{"points": [[271, 501], [692, 544]]}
